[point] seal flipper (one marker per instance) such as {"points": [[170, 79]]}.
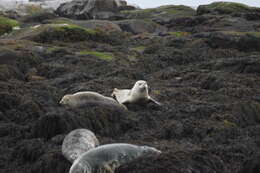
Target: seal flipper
{"points": [[154, 101], [108, 168]]}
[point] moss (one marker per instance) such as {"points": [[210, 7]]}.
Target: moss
{"points": [[139, 48], [6, 25], [102, 55], [229, 124], [179, 34]]}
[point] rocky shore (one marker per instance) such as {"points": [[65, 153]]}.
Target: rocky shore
{"points": [[203, 65]]}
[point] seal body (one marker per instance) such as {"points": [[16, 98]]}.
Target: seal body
{"points": [[139, 93], [82, 98], [78, 142], [107, 158]]}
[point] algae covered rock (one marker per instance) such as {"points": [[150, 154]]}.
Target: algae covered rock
{"points": [[7, 25], [103, 25], [244, 41], [58, 32], [226, 8], [162, 13]]}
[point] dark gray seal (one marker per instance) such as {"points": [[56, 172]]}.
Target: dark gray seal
{"points": [[78, 142], [107, 158]]}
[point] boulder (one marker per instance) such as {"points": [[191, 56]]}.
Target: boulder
{"points": [[92, 9]]}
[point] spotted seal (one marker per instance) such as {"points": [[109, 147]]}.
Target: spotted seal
{"points": [[139, 93], [81, 98], [78, 142], [107, 158]]}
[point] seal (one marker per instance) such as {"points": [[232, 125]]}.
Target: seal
{"points": [[139, 93], [107, 158], [78, 142], [82, 98]]}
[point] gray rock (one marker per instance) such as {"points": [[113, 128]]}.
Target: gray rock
{"points": [[92, 9]]}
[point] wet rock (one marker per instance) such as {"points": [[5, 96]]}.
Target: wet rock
{"points": [[51, 125], [51, 162], [29, 150], [247, 113], [140, 26], [249, 65], [8, 56], [199, 161], [252, 165], [9, 101], [101, 118], [238, 40], [172, 130], [39, 17]]}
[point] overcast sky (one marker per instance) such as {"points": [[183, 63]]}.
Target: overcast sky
{"points": [[193, 3]]}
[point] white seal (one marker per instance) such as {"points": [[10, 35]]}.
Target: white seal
{"points": [[139, 93], [82, 98]]}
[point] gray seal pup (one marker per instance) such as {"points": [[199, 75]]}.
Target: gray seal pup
{"points": [[78, 142], [139, 93], [82, 98], [107, 158]]}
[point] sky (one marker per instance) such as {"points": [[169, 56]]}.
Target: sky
{"points": [[193, 3], [156, 3]]}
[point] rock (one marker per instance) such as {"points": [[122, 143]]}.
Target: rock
{"points": [[250, 64], [198, 161], [38, 17], [29, 150], [172, 130], [99, 118], [140, 26], [8, 72], [252, 165], [51, 162], [8, 56], [226, 8], [92, 9], [247, 113]]}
